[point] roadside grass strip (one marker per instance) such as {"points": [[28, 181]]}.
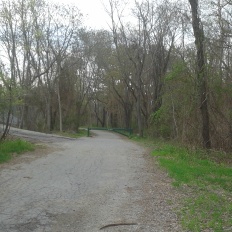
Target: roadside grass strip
{"points": [[208, 206], [10, 147]]}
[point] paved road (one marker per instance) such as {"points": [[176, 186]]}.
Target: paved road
{"points": [[85, 185]]}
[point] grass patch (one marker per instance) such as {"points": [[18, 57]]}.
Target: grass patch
{"points": [[10, 147], [209, 208], [147, 141]]}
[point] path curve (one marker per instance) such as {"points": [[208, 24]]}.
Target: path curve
{"points": [[101, 183]]}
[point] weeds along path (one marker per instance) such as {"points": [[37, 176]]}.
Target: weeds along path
{"points": [[102, 183]]}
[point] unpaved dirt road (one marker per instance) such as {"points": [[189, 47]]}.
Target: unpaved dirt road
{"points": [[103, 183]]}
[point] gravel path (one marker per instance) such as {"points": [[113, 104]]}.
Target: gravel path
{"points": [[102, 183]]}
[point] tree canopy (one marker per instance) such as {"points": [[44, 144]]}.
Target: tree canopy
{"points": [[165, 71]]}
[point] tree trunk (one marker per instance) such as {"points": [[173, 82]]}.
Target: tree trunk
{"points": [[48, 112], [21, 121], [7, 125], [201, 73], [60, 108], [139, 108], [103, 117], [127, 115]]}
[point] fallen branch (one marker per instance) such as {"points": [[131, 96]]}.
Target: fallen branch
{"points": [[118, 224]]}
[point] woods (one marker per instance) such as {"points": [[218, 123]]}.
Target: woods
{"points": [[162, 68]]}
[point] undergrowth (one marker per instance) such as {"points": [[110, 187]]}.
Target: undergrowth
{"points": [[11, 147]]}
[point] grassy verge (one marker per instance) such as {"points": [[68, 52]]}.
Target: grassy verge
{"points": [[205, 178], [209, 205], [10, 147]]}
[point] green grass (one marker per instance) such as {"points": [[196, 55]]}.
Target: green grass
{"points": [[10, 147], [209, 206]]}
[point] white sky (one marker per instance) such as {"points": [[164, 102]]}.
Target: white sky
{"points": [[93, 11]]}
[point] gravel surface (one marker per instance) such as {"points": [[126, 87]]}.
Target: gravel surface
{"points": [[101, 183]]}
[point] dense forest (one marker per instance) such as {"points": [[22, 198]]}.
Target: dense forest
{"points": [[164, 71]]}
